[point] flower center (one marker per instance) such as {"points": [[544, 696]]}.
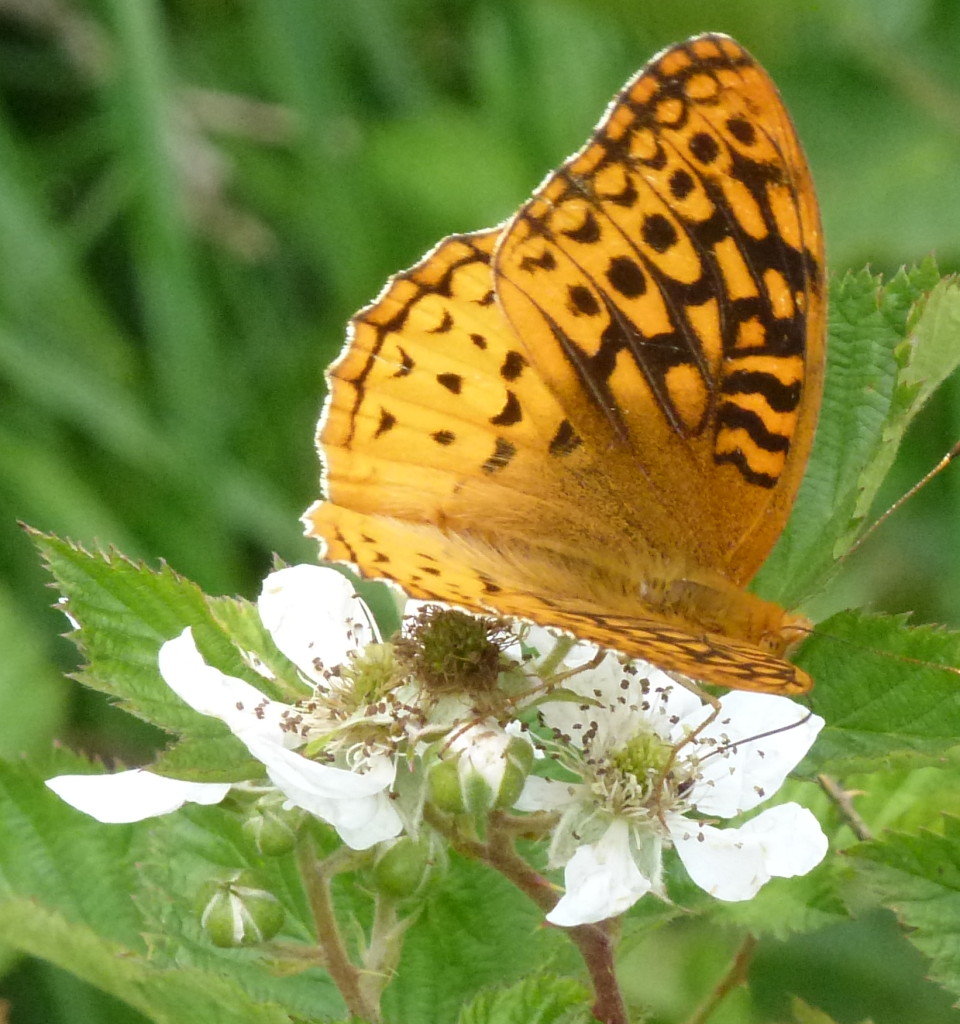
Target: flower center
{"points": [[644, 756], [451, 652], [362, 710], [643, 777]]}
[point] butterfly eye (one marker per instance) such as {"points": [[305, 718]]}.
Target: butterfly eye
{"points": [[772, 642]]}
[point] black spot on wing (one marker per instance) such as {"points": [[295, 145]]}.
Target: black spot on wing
{"points": [[510, 414], [500, 458], [565, 440], [512, 366], [387, 422]]}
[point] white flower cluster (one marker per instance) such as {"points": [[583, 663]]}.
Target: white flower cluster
{"points": [[636, 762]]}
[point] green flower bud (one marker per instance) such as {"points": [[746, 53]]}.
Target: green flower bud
{"points": [[518, 762], [273, 830], [406, 866], [443, 782], [237, 913], [480, 770]]}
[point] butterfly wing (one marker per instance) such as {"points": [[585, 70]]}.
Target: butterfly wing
{"points": [[534, 418]]}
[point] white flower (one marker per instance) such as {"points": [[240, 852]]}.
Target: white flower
{"points": [[316, 619], [649, 771]]}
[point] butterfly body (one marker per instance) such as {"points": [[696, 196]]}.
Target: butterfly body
{"points": [[596, 416]]}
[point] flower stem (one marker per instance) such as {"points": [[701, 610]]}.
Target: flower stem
{"points": [[594, 941], [383, 951], [735, 976], [316, 878], [596, 945], [844, 801]]}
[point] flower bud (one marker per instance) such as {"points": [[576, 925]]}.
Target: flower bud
{"points": [[237, 913], [406, 866], [444, 787], [272, 829], [519, 760], [483, 768]]}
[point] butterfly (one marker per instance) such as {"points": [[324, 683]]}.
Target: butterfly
{"points": [[596, 416]]}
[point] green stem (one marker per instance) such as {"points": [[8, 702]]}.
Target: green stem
{"points": [[317, 877], [551, 662], [383, 951], [735, 976]]}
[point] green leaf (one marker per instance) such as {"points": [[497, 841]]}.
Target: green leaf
{"points": [[803, 1013], [906, 800], [64, 860], [186, 850], [69, 890], [475, 931], [537, 1000], [788, 906], [125, 611], [885, 701], [28, 725], [918, 877], [166, 997]]}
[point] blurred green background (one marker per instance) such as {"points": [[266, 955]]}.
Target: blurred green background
{"points": [[195, 195]]}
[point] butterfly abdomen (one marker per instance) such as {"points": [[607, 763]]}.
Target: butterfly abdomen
{"points": [[719, 608]]}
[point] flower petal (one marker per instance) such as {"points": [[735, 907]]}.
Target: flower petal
{"points": [[602, 880], [733, 863], [315, 617], [132, 795], [211, 692], [549, 794], [356, 804], [759, 739]]}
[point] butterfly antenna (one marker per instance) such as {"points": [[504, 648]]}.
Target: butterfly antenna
{"points": [[903, 499], [724, 748], [880, 653]]}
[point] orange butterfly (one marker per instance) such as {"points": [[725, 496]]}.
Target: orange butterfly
{"points": [[597, 415]]}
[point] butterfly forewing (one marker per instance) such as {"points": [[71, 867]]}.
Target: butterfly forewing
{"points": [[676, 266]]}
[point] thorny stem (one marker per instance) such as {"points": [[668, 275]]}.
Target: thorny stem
{"points": [[844, 801], [735, 976], [383, 950], [594, 662], [596, 945], [536, 824], [594, 941], [501, 854], [316, 878]]}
